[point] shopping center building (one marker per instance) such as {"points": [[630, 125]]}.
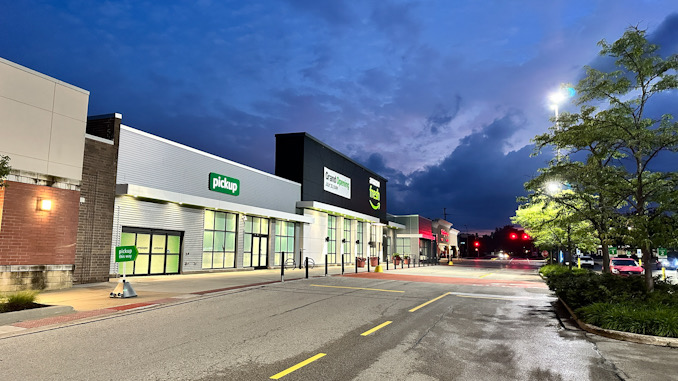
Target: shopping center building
{"points": [[81, 186]]}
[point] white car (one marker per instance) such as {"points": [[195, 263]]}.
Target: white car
{"points": [[586, 261]]}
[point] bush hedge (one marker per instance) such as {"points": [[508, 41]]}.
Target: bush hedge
{"points": [[614, 302]]}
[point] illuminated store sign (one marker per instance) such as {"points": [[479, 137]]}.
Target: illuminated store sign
{"points": [[375, 194], [224, 184], [337, 183]]}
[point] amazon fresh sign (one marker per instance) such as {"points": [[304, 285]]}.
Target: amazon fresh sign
{"points": [[375, 194], [224, 184], [337, 183]]}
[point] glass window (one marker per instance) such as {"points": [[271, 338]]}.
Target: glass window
{"points": [[209, 220], [159, 244], [219, 240], [347, 237], [403, 246], [332, 234], [360, 237], [220, 221], [284, 242]]}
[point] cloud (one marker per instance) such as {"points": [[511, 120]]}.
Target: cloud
{"points": [[478, 183]]}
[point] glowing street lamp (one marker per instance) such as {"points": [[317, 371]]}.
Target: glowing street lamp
{"points": [[556, 100]]}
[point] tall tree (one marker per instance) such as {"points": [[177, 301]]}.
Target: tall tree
{"points": [[622, 140]]}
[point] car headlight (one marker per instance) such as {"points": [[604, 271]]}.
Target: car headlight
{"points": [[615, 271]]}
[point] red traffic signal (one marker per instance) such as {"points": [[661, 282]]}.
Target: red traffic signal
{"points": [[476, 244]]}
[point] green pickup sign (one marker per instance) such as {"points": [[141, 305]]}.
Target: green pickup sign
{"points": [[126, 253]]}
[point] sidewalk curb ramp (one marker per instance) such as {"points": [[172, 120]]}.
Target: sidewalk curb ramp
{"points": [[8, 318]]}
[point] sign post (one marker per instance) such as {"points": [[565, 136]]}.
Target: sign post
{"points": [[124, 254]]}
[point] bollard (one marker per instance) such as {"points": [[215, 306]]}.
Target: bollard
{"points": [[386, 264], [579, 263], [326, 264], [663, 273], [301, 261], [356, 264], [368, 264], [342, 265], [282, 271], [306, 266]]}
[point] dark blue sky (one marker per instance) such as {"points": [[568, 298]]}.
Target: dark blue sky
{"points": [[441, 97]]}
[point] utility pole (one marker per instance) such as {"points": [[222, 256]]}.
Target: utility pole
{"points": [[445, 214]]}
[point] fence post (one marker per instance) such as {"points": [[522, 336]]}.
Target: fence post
{"points": [[306, 266]]}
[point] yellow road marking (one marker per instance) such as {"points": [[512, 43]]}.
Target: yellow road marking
{"points": [[356, 288], [493, 259], [380, 326], [300, 365], [429, 302], [483, 276]]}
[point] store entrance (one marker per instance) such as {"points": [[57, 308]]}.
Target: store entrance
{"points": [[259, 254], [159, 251]]}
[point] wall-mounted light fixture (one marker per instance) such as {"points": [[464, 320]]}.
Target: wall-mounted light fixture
{"points": [[44, 204]]}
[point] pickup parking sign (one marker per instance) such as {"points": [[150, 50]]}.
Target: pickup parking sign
{"points": [[126, 253]]}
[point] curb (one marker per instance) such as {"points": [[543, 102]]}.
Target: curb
{"points": [[625, 336], [8, 318]]}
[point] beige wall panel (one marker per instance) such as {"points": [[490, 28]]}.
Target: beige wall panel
{"points": [[25, 163], [26, 87], [70, 102], [25, 130], [67, 144], [65, 171]]}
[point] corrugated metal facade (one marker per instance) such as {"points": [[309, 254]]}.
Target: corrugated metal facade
{"points": [[153, 162]]}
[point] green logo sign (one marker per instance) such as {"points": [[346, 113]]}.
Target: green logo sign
{"points": [[224, 184], [375, 195], [612, 250], [126, 253], [661, 252]]}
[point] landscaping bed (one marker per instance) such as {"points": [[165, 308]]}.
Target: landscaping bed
{"points": [[616, 303]]}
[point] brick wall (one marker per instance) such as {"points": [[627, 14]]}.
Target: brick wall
{"points": [[34, 237], [95, 227]]}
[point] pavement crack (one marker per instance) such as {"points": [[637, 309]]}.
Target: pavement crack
{"points": [[429, 329]]}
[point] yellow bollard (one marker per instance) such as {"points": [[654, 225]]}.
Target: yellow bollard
{"points": [[449, 262], [640, 262], [663, 273], [378, 269], [579, 263]]}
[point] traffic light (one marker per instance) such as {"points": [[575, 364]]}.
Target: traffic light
{"points": [[476, 244]]}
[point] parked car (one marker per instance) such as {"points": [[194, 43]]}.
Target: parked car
{"points": [[625, 267], [586, 261]]}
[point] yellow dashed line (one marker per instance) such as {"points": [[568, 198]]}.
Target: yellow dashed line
{"points": [[483, 276], [429, 302], [380, 326], [356, 288], [300, 365]]}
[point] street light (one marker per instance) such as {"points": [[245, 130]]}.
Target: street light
{"points": [[556, 99]]}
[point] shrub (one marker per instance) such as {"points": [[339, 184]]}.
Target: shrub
{"points": [[18, 300], [614, 302], [646, 318]]}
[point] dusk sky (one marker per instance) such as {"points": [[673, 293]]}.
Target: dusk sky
{"points": [[440, 97]]}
